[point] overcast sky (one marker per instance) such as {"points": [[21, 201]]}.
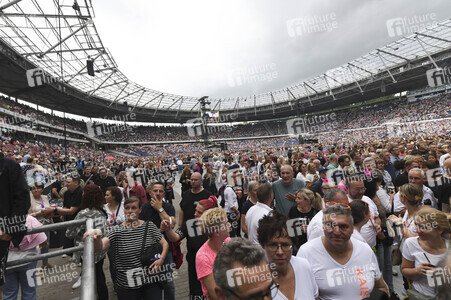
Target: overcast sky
{"points": [[215, 48]]}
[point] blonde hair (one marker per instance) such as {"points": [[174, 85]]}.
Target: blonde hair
{"points": [[413, 193], [213, 220], [315, 198], [435, 217]]}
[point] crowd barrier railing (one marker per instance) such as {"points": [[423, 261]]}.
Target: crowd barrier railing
{"points": [[88, 278]]}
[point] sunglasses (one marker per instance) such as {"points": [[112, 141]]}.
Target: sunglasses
{"points": [[343, 205]]}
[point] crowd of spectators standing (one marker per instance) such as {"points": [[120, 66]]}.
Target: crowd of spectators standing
{"points": [[312, 202]]}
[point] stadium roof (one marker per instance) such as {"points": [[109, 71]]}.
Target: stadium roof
{"points": [[61, 38]]}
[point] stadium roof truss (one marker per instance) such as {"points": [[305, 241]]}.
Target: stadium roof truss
{"points": [[60, 37]]}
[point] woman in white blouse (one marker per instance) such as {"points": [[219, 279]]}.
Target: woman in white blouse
{"points": [[422, 253]]}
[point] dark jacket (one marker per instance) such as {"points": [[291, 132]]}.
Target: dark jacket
{"points": [[14, 201]]}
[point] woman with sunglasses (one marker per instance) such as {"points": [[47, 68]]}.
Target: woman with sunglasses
{"points": [[38, 203], [422, 253], [126, 243], [292, 275], [344, 267]]}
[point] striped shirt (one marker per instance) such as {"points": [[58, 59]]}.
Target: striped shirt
{"points": [[125, 248]]}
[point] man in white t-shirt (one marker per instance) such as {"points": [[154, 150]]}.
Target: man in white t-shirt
{"points": [[344, 268], [416, 176], [265, 196], [315, 227], [356, 189]]}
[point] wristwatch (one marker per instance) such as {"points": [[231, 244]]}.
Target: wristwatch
{"points": [[161, 210]]}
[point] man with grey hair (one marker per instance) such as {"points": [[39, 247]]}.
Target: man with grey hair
{"points": [[349, 265], [315, 227], [285, 188], [241, 271], [416, 176]]}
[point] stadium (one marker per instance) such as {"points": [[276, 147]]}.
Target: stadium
{"points": [[66, 106]]}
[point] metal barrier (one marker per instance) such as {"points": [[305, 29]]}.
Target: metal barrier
{"points": [[88, 278]]}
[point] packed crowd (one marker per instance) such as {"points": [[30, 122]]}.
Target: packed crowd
{"points": [[389, 119], [324, 221]]}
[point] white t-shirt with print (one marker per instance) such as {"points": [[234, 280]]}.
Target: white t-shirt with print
{"points": [[315, 227], [353, 280], [305, 288], [412, 251]]}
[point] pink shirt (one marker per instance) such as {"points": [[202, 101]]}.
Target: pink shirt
{"points": [[205, 258]]}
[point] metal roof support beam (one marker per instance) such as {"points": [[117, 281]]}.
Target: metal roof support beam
{"points": [[388, 70], [236, 105], [152, 99], [255, 105], [9, 4], [119, 94], [139, 99], [306, 91], [330, 90], [132, 93], [44, 15], [273, 103], [178, 111], [427, 53], [65, 39], [355, 80], [434, 37], [360, 68], [395, 55], [175, 102], [290, 94], [156, 109], [217, 102], [62, 51], [114, 83], [100, 85], [197, 103]]}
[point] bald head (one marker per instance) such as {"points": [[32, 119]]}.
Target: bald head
{"points": [[196, 181]]}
